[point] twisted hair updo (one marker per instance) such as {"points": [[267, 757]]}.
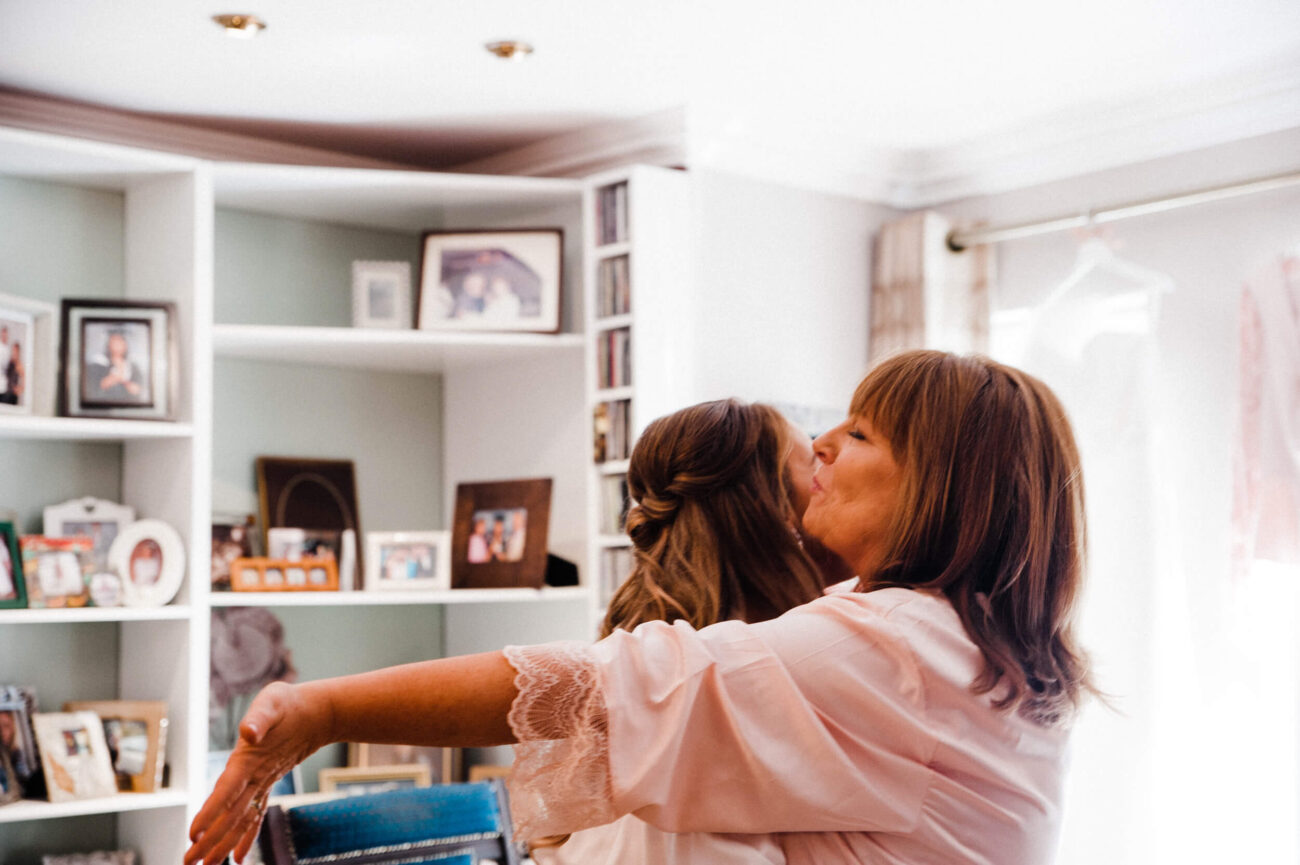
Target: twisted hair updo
{"points": [[712, 526]]}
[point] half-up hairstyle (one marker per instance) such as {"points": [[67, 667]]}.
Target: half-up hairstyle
{"points": [[991, 514], [711, 523]]}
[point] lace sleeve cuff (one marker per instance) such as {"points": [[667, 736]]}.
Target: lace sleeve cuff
{"points": [[560, 780]]}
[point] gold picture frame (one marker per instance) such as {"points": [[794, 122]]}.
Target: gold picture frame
{"points": [[138, 767]]}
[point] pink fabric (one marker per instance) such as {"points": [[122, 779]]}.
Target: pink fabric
{"points": [[846, 727]]}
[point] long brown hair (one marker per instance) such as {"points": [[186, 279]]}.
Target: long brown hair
{"points": [[712, 524], [991, 514]]}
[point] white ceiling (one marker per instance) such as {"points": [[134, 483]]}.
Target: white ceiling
{"points": [[409, 80]]}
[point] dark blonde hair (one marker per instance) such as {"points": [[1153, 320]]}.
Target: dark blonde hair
{"points": [[991, 514], [712, 526]]}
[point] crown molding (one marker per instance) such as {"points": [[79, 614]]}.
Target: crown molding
{"points": [[39, 113]]}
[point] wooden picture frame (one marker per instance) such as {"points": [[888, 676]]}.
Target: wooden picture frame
{"points": [[261, 574], [356, 780], [13, 588], [444, 764], [486, 551], [74, 756], [98, 519], [57, 571], [138, 765], [119, 359], [307, 493], [381, 294], [491, 280], [408, 561]]}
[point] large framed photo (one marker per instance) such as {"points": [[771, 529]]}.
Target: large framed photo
{"points": [[74, 756], [358, 781], [443, 763], [136, 734], [492, 280], [119, 359], [408, 560], [97, 519], [57, 571], [499, 537], [149, 557], [381, 294], [13, 589], [17, 353]]}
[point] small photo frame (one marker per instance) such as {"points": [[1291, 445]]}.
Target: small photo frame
{"points": [[318, 495], [57, 571], [444, 763], [11, 790], [149, 557], [39, 369], [491, 280], [13, 589], [17, 359], [499, 536], [260, 574], [358, 781], [136, 734], [74, 756], [231, 539], [119, 359], [405, 561], [17, 737], [98, 519], [381, 294]]}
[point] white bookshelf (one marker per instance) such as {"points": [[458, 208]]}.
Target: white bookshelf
{"points": [[89, 429], [396, 598], [169, 613], [31, 809]]}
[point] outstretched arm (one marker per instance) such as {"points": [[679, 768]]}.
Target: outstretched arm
{"points": [[453, 702]]}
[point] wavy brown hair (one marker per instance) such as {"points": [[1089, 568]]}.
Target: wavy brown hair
{"points": [[991, 514], [712, 526]]}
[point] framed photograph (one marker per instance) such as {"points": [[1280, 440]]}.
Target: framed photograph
{"points": [[231, 539], [261, 574], [491, 280], [13, 589], [357, 781], [311, 494], [499, 535], [98, 519], [57, 571], [136, 734], [10, 789], [150, 559], [17, 353], [74, 756], [381, 294], [119, 359], [100, 857], [38, 350], [408, 560], [17, 737], [443, 763]]}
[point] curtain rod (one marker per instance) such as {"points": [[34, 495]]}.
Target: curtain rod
{"points": [[961, 240]]}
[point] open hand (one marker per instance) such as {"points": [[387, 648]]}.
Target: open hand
{"points": [[280, 730]]}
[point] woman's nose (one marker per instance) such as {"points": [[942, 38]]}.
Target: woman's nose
{"points": [[824, 446]]}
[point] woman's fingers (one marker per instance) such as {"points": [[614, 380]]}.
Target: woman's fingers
{"points": [[223, 830]]}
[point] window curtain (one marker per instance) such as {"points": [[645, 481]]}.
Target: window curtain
{"points": [[924, 295]]}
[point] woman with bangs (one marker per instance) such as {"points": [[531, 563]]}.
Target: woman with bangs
{"points": [[921, 717]]}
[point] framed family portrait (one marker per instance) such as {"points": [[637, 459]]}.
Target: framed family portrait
{"points": [[408, 561], [491, 280], [149, 557], [499, 535], [119, 359], [13, 590], [74, 756], [17, 353], [359, 781], [135, 732], [98, 519], [381, 294], [57, 571]]}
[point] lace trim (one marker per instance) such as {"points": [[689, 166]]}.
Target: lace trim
{"points": [[560, 780]]}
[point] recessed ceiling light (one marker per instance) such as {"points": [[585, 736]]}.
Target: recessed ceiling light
{"points": [[510, 49], [242, 25]]}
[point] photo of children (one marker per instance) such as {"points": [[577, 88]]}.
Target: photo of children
{"points": [[499, 535]]}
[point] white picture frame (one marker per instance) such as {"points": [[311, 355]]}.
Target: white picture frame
{"points": [[150, 558], [74, 756], [408, 561], [381, 295], [43, 372], [17, 353], [99, 519]]}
